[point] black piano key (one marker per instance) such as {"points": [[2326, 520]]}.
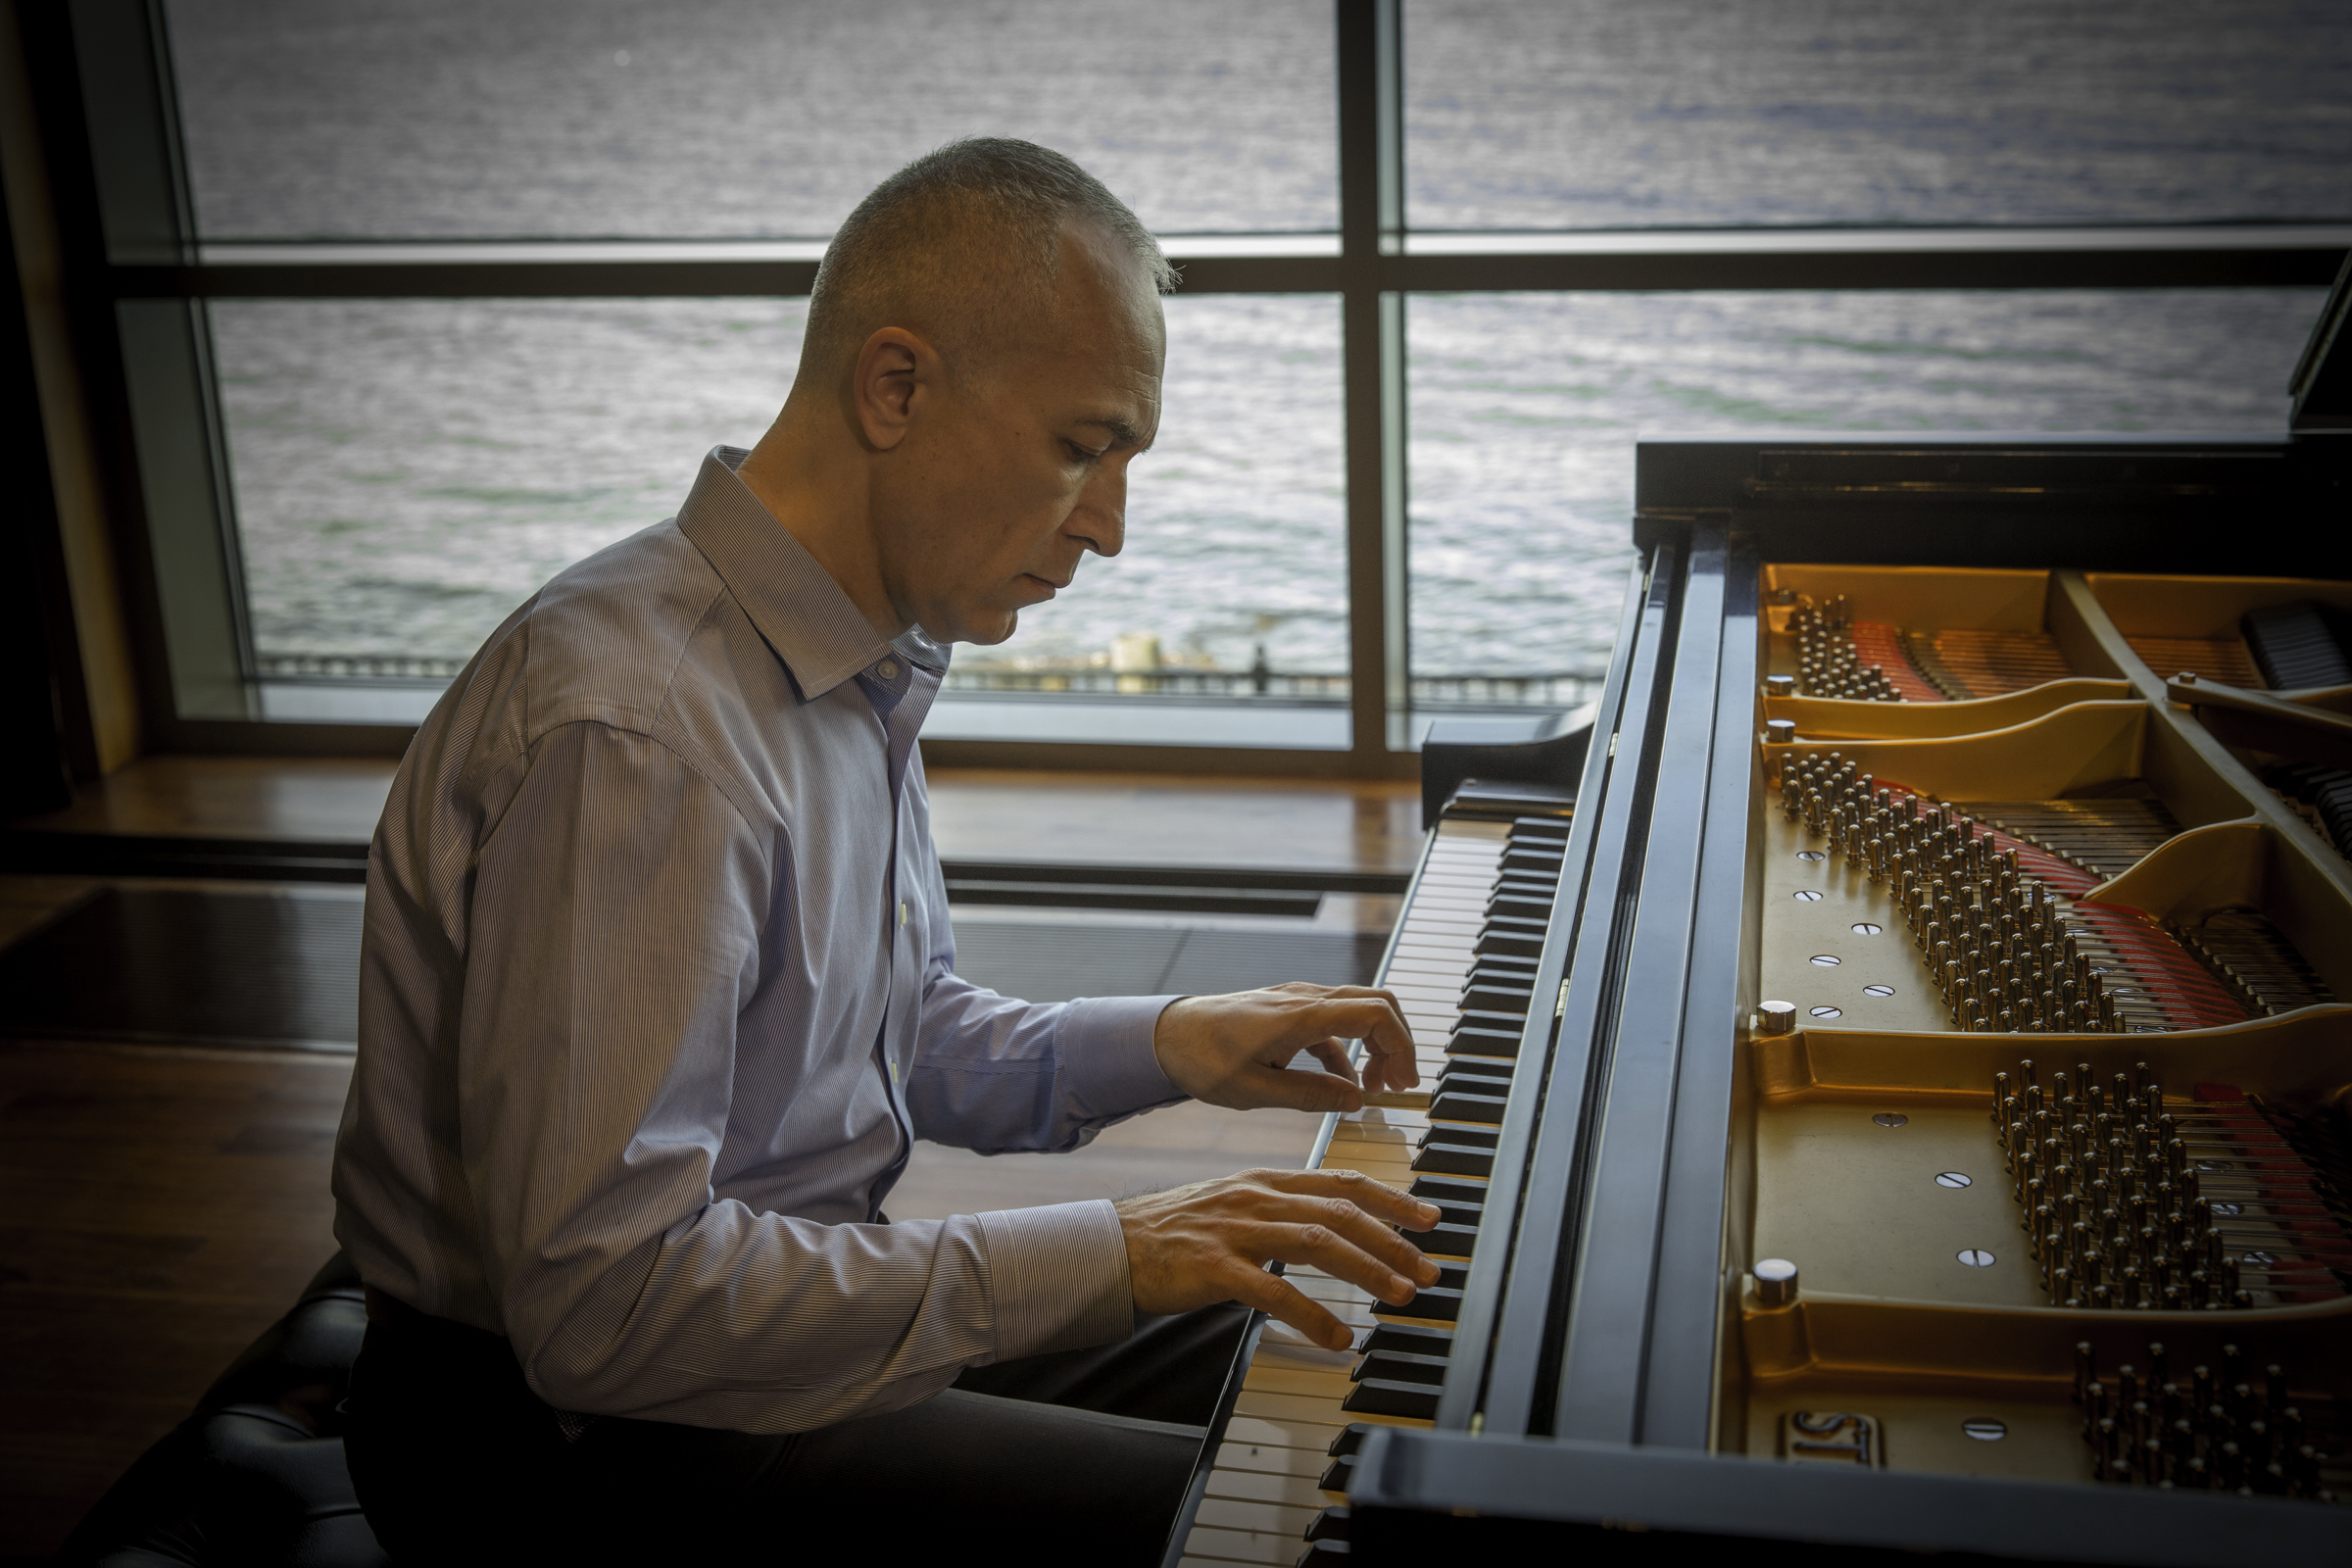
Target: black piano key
{"points": [[1441, 1302], [1506, 934], [1480, 1018], [1417, 1338], [1322, 1552], [1455, 1159], [1499, 976], [1532, 859], [1534, 828], [1471, 1075], [1339, 1475], [1486, 995], [1401, 1366], [1468, 1135], [1468, 1216], [1484, 1041], [1521, 905], [1445, 1238], [1330, 1525], [1465, 1216], [1349, 1441], [1383, 1397], [1448, 1193], [1460, 1104]]}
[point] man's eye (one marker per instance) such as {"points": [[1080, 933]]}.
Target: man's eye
{"points": [[1082, 454]]}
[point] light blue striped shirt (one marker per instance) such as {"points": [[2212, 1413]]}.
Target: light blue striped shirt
{"points": [[658, 988]]}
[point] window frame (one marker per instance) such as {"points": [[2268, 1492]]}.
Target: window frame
{"points": [[139, 287]]}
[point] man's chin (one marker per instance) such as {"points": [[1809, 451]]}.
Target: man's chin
{"points": [[980, 630]]}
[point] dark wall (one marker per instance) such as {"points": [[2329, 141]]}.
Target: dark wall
{"points": [[36, 622]]}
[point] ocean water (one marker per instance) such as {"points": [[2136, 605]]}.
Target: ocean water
{"points": [[406, 471], [725, 118], [409, 470], [1617, 114]]}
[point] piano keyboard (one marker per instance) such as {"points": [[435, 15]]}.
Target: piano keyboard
{"points": [[1462, 964]]}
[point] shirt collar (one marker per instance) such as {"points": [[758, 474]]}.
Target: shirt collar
{"points": [[794, 602]]}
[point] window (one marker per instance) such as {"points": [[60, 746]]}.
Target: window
{"points": [[1526, 407], [418, 300], [408, 472]]}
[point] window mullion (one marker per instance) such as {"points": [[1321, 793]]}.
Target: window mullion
{"points": [[1371, 213]]}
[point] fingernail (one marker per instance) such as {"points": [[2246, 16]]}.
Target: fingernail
{"points": [[1402, 1291], [1428, 1272], [1432, 1213]]}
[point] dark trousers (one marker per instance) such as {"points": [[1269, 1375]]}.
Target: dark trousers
{"points": [[1079, 1456]]}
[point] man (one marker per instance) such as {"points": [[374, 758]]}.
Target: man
{"points": [[657, 990]]}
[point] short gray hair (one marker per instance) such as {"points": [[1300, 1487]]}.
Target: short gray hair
{"points": [[979, 219]]}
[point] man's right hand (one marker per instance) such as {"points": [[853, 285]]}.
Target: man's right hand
{"points": [[1209, 1242]]}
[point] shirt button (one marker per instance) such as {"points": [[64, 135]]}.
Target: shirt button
{"points": [[902, 911], [887, 670]]}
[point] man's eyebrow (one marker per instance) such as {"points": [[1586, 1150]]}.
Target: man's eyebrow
{"points": [[1121, 432]]}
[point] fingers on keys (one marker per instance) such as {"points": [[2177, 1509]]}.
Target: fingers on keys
{"points": [[1337, 1251], [1333, 1054], [1375, 1197], [1299, 1089], [1271, 1295], [1374, 1018]]}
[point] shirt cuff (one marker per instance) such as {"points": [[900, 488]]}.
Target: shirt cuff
{"points": [[1059, 1276], [1105, 1047]]}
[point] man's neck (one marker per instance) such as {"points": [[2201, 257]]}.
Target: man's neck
{"points": [[819, 496]]}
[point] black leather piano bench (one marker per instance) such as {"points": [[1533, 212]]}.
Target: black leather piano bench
{"points": [[256, 1475]]}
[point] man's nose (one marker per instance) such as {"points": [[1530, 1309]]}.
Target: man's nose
{"points": [[1100, 519]]}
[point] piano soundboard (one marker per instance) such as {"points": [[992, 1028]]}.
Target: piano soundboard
{"points": [[1906, 1102]]}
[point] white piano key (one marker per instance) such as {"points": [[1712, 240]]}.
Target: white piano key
{"points": [[1284, 1488], [1290, 1408], [1266, 1379], [1253, 1433], [1283, 1464], [1271, 1518], [1269, 1547]]}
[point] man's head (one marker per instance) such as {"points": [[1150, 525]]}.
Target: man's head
{"points": [[984, 345]]}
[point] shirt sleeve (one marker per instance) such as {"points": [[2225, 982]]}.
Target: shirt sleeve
{"points": [[998, 1075], [613, 937]]}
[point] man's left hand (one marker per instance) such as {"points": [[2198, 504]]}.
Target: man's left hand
{"points": [[1236, 1050]]}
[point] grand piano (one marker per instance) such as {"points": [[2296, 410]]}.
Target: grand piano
{"points": [[1889, 1081]]}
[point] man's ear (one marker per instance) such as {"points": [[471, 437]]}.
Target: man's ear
{"points": [[897, 371]]}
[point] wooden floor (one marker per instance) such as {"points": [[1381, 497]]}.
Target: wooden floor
{"points": [[158, 1206]]}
